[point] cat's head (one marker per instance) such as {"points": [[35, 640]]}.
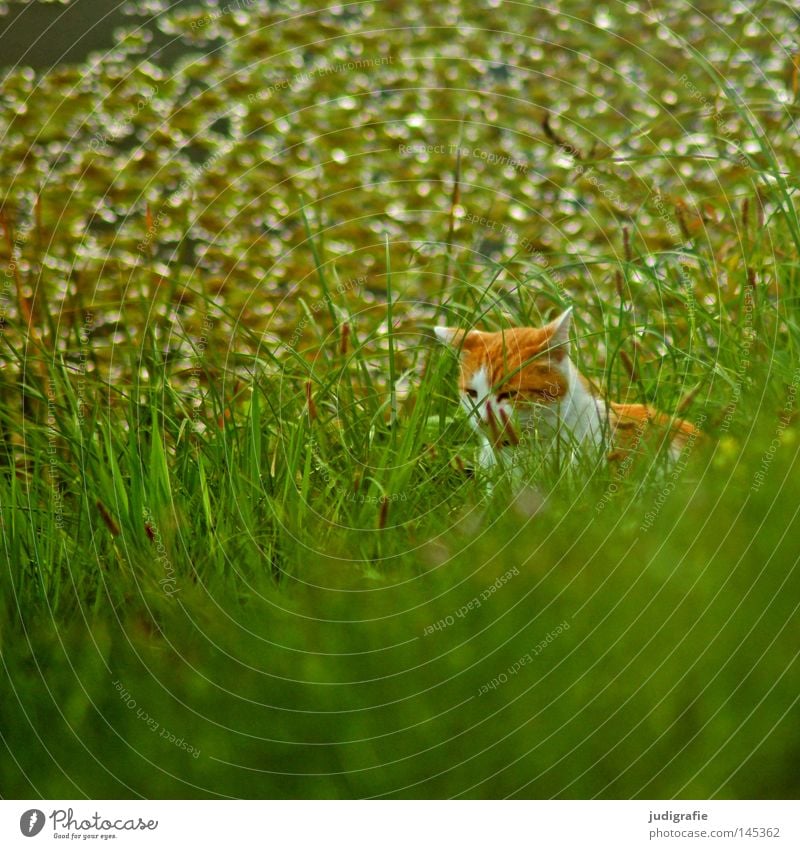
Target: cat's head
{"points": [[522, 372]]}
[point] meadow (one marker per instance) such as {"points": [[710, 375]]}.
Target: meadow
{"points": [[246, 551]]}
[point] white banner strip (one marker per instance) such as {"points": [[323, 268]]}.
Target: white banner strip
{"points": [[404, 824]]}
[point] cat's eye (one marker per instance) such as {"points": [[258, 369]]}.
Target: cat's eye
{"points": [[473, 393], [504, 396]]}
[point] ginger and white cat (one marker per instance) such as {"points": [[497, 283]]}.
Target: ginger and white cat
{"points": [[525, 375]]}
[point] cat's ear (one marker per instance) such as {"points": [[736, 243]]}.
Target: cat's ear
{"points": [[558, 330], [452, 336]]}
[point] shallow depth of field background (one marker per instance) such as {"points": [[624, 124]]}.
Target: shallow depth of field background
{"points": [[244, 551]]}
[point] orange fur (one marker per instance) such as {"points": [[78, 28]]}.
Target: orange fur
{"points": [[633, 424]]}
